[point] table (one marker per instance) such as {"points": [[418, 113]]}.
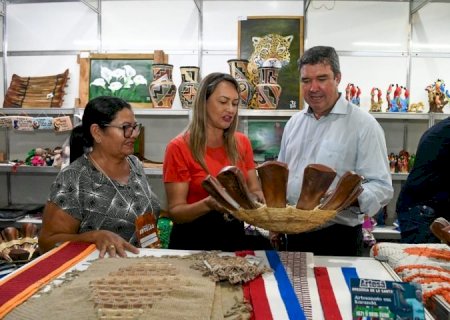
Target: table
{"points": [[366, 267]]}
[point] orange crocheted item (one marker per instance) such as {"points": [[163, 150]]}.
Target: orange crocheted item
{"points": [[443, 292], [429, 252], [420, 266]]}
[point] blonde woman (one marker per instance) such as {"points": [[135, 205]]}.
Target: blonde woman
{"points": [[209, 143]]}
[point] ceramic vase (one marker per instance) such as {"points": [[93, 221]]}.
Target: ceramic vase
{"points": [[268, 91], [162, 90], [238, 70], [189, 85]]}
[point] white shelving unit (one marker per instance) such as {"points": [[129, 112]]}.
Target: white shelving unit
{"points": [[407, 51]]}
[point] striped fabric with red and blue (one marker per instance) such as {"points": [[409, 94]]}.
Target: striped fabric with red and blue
{"points": [[272, 295]]}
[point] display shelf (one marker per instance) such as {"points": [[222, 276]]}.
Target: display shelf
{"points": [[440, 116], [400, 115], [150, 112], [9, 168], [161, 112], [37, 111], [266, 113], [29, 219], [153, 171], [386, 233], [399, 176]]}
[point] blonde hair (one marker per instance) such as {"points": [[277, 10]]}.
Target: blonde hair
{"points": [[195, 133]]}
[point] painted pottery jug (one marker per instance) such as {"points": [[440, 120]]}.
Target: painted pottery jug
{"points": [[238, 70], [268, 91], [162, 90], [188, 88]]}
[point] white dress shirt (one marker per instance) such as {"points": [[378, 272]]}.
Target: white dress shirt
{"points": [[348, 138]]}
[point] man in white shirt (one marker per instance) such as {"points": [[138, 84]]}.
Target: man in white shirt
{"points": [[334, 132]]}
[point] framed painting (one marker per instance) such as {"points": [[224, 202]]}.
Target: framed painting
{"points": [[115, 74], [286, 45], [265, 137]]}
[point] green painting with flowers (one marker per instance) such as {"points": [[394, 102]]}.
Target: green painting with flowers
{"points": [[126, 79], [123, 75]]}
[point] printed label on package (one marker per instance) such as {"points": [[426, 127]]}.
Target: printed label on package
{"points": [[43, 123], [6, 122], [22, 123], [379, 299], [62, 124]]}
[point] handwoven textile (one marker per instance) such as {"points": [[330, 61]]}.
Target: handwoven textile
{"points": [[272, 295], [24, 283], [126, 288], [427, 264], [331, 286]]}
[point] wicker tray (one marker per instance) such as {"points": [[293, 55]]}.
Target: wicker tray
{"points": [[285, 220]]}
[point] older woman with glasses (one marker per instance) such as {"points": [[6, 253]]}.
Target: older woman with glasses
{"points": [[98, 197]]}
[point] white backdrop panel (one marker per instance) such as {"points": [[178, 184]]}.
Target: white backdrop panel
{"points": [[51, 26], [220, 19], [369, 72], [431, 27], [358, 25], [216, 63], [149, 25]]}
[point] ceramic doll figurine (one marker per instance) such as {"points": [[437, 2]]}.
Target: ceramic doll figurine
{"points": [[401, 99], [392, 162], [388, 97], [406, 95], [367, 228], [436, 96], [358, 94], [347, 91], [375, 105]]}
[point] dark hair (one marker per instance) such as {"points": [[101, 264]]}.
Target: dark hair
{"points": [[101, 110], [321, 54]]}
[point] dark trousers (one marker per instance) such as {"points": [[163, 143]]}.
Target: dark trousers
{"points": [[335, 240], [415, 225]]}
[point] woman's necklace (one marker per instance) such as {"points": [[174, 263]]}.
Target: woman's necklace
{"points": [[96, 165]]}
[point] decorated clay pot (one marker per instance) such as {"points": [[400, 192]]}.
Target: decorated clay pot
{"points": [[268, 91], [189, 85], [238, 70], [162, 90]]}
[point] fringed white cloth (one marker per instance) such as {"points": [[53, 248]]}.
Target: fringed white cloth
{"points": [[427, 264]]}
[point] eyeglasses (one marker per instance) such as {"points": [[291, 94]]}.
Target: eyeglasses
{"points": [[128, 129]]}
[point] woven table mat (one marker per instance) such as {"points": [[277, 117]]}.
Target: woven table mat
{"points": [[23, 284]]}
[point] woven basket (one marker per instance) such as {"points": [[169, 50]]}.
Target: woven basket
{"points": [[285, 220]]}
